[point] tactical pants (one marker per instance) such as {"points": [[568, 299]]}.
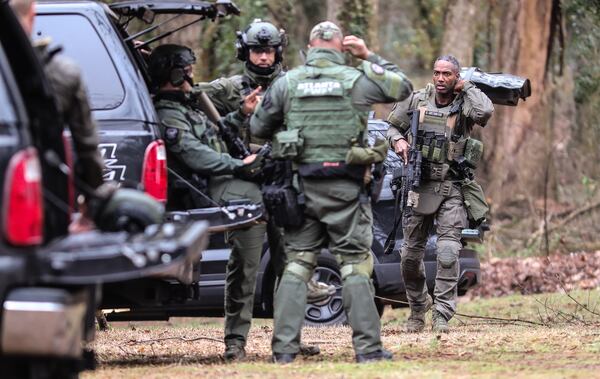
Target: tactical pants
{"points": [[450, 218], [244, 261], [335, 219]]}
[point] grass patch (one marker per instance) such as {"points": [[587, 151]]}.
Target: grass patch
{"points": [[485, 348]]}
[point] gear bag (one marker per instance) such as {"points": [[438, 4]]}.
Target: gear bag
{"points": [[474, 199]]}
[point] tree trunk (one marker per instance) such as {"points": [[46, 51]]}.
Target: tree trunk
{"points": [[460, 28], [520, 141]]}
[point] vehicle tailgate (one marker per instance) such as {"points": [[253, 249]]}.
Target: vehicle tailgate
{"points": [[165, 251]]}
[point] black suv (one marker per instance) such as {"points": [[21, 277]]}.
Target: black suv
{"points": [[49, 281]]}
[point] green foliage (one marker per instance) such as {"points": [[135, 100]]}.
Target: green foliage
{"points": [[583, 21], [354, 18]]}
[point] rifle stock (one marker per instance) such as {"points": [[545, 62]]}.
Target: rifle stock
{"points": [[235, 145]]}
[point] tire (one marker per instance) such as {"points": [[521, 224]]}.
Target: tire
{"points": [[331, 310]]}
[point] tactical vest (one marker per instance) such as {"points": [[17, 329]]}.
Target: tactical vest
{"points": [[322, 113], [200, 125], [440, 143]]}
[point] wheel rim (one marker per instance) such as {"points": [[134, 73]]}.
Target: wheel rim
{"points": [[330, 308]]}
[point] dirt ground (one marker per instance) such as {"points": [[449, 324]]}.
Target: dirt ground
{"points": [[519, 336]]}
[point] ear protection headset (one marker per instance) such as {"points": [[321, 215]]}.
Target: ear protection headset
{"points": [[177, 76]]}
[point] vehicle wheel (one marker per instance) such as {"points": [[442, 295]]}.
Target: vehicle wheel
{"points": [[331, 310]]}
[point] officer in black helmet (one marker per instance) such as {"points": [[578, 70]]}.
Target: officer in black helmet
{"points": [[195, 147]]}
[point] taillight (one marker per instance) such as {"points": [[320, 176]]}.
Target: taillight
{"points": [[154, 171], [23, 203]]}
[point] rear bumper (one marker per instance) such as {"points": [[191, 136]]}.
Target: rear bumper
{"points": [[47, 322]]}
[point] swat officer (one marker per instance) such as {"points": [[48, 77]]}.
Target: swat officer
{"points": [[324, 106], [193, 142], [260, 45], [449, 108]]}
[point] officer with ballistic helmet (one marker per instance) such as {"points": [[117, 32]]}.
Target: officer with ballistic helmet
{"points": [[324, 106], [194, 147], [447, 111]]}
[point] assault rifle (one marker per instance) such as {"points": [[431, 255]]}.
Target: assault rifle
{"points": [[235, 145], [404, 180]]}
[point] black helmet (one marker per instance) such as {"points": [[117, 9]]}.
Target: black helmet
{"points": [[167, 63], [260, 34], [129, 210]]}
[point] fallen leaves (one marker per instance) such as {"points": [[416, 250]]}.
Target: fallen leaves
{"points": [[500, 277]]}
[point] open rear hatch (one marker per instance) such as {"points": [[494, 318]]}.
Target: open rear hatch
{"points": [[165, 251], [147, 10]]}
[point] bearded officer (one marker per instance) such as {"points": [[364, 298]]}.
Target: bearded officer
{"points": [[324, 106], [448, 109]]}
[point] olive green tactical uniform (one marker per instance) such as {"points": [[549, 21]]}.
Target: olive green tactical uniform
{"points": [[441, 199], [192, 142], [228, 94], [326, 104]]}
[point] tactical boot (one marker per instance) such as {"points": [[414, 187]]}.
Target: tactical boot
{"points": [[309, 350], [234, 353], [318, 291], [439, 324], [378, 355], [283, 358], [416, 320]]}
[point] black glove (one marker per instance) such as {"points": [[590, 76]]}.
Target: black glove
{"points": [[252, 171]]}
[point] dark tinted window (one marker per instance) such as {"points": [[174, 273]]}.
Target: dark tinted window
{"points": [[81, 42], [7, 111]]}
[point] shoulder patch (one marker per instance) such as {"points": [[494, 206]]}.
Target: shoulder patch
{"points": [[377, 69], [171, 135]]}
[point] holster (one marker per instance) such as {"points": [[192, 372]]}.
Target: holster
{"points": [[283, 201]]}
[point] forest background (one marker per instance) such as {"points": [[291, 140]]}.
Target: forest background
{"points": [[540, 168]]}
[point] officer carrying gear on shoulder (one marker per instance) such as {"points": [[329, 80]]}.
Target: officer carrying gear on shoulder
{"points": [[447, 110], [193, 143], [324, 106], [260, 46]]}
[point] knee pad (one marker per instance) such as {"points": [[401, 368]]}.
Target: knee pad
{"points": [[356, 264], [447, 254], [301, 264]]}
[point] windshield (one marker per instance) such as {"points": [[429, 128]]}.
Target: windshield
{"points": [[80, 41]]}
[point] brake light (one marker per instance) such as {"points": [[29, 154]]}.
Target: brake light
{"points": [[154, 171], [23, 203]]}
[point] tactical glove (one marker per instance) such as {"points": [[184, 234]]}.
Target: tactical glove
{"points": [[251, 172]]}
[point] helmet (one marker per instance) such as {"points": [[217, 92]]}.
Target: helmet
{"points": [[167, 63], [129, 210], [260, 34]]}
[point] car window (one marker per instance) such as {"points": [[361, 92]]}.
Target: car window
{"points": [[80, 41], [7, 111]]}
